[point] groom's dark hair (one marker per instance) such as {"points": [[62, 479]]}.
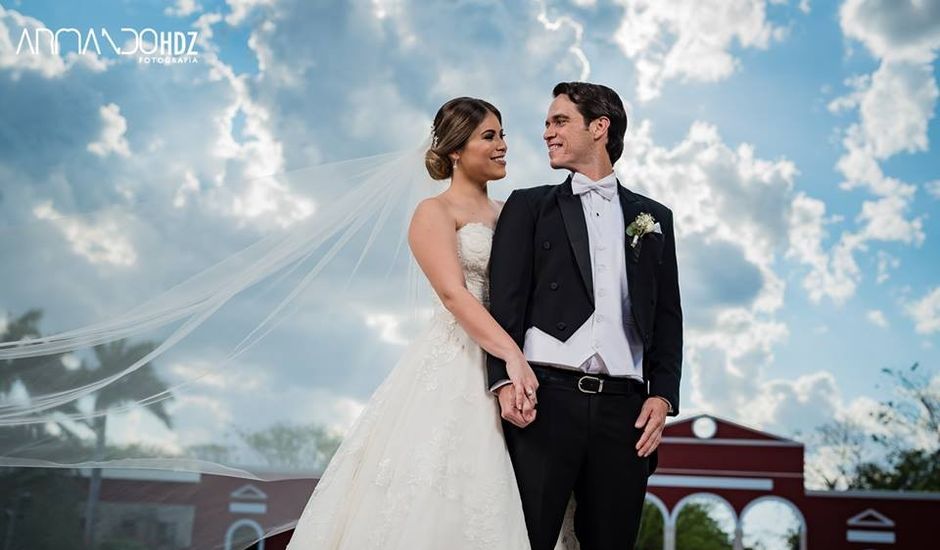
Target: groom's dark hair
{"points": [[594, 101]]}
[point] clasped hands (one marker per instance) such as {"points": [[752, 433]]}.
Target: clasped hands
{"points": [[518, 401], [515, 405]]}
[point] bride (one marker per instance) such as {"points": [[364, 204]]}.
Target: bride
{"points": [[425, 466]]}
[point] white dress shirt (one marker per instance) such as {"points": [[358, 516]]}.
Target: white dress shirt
{"points": [[608, 342]]}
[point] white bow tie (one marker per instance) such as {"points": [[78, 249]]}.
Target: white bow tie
{"points": [[606, 187]]}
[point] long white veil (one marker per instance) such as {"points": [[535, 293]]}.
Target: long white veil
{"points": [[232, 351]]}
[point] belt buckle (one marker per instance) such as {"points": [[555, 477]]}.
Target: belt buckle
{"points": [[600, 384]]}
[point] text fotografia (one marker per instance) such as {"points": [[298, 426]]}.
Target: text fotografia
{"points": [[149, 45]]}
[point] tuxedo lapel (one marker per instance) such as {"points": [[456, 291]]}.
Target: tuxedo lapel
{"points": [[576, 227], [631, 206]]}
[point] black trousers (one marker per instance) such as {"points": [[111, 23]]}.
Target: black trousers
{"points": [[583, 443]]}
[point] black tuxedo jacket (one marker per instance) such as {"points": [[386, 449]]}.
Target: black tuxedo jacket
{"points": [[540, 275]]}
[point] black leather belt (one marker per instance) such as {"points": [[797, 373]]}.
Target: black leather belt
{"points": [[557, 377]]}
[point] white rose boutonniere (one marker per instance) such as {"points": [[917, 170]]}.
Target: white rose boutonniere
{"points": [[643, 224]]}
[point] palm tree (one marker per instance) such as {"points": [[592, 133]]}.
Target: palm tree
{"points": [[37, 375], [26, 490], [112, 358]]}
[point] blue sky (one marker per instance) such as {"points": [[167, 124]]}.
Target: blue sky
{"points": [[795, 142]]}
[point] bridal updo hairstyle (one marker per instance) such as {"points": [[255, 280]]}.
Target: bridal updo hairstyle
{"points": [[453, 125], [594, 101]]}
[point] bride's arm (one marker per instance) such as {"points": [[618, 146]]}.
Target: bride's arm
{"points": [[433, 242]]}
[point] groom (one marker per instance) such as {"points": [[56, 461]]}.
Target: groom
{"points": [[583, 276]]}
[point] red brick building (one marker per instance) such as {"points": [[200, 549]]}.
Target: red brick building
{"points": [[730, 463]]}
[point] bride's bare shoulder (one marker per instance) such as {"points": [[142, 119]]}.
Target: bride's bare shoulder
{"points": [[433, 212]]}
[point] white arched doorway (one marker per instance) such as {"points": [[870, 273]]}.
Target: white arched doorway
{"points": [[246, 523], [733, 523], [801, 520], [653, 523]]}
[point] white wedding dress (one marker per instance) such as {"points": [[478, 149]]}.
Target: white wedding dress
{"points": [[425, 466]]}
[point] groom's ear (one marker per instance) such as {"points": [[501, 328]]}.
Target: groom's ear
{"points": [[599, 126]]}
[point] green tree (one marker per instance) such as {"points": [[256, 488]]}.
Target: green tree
{"points": [[907, 457], [212, 452], [792, 539], [651, 528], [915, 411], [32, 499], [906, 470], [696, 529], [112, 358], [37, 376], [847, 445], [307, 446]]}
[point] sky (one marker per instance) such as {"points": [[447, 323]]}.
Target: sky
{"points": [[794, 141]]}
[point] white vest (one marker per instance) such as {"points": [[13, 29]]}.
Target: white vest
{"points": [[608, 341]]}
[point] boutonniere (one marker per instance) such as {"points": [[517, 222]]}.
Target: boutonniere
{"points": [[643, 224]]}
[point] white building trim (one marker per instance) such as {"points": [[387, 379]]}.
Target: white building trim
{"points": [[249, 492], [733, 442], [745, 473], [135, 474], [857, 535], [248, 508], [876, 493], [870, 518], [712, 482]]}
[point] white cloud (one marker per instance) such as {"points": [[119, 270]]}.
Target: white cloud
{"points": [[182, 8], [240, 9], [894, 29], [724, 362], [858, 84], [834, 274], [206, 373], [802, 402], [894, 105], [886, 219], [388, 326], [732, 216], [886, 262], [12, 26], [104, 241], [690, 39], [926, 312], [575, 48], [18, 32], [897, 107], [933, 187], [111, 139], [876, 317], [190, 186], [140, 427], [723, 192]]}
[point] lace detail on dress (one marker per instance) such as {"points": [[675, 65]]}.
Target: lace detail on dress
{"points": [[425, 465], [474, 242]]}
